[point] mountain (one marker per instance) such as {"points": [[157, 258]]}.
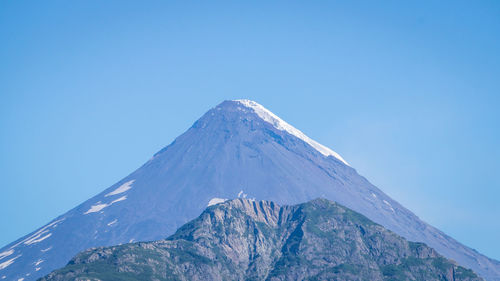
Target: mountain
{"points": [[237, 149], [247, 240]]}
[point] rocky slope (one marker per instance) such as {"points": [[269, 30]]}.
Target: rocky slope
{"points": [[248, 240]]}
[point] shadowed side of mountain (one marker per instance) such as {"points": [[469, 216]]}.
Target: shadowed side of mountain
{"points": [[258, 240]]}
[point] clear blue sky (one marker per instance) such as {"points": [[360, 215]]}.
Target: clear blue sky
{"points": [[408, 92]]}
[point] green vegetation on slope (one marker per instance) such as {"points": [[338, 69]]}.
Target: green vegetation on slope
{"points": [[247, 240]]}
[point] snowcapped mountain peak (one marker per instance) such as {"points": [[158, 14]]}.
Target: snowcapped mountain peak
{"points": [[280, 124], [238, 149]]}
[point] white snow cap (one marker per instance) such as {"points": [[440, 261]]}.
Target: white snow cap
{"points": [[279, 124]]}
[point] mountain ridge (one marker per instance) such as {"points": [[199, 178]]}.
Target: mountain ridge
{"points": [[244, 239], [229, 151]]}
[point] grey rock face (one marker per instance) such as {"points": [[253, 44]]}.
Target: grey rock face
{"points": [[248, 240], [229, 152]]}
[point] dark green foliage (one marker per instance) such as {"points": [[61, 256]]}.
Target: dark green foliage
{"points": [[442, 263], [464, 273]]}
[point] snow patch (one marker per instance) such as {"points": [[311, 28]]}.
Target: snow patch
{"points": [[56, 223], [124, 187], [216, 200], [38, 268], [374, 196], [281, 125], [388, 204], [45, 250], [96, 208], [99, 207], [112, 222], [7, 263], [38, 262], [35, 238], [6, 253], [38, 239], [241, 194], [20, 279], [119, 199]]}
